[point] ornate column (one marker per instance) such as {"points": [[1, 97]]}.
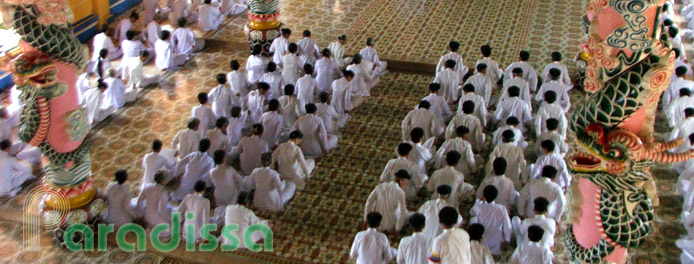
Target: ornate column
{"points": [[264, 25], [628, 66]]}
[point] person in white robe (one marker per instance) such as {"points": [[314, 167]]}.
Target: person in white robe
{"points": [[517, 81], [218, 137], [209, 16], [552, 133], [683, 130], [459, 67], [222, 97], [675, 111], [560, 90], [675, 85], [564, 77], [513, 154], [513, 106], [237, 125], [337, 50], [274, 79], [154, 162], [532, 251], [196, 166], [167, 58], [388, 199], [237, 80], [5, 124], [186, 140], [483, 85], [153, 29], [511, 124], [539, 218], [289, 161], [256, 64], [197, 204], [125, 25], [205, 114], [493, 73], [494, 217], [83, 84], [507, 194], [378, 68], [480, 106], [132, 47], [466, 165], [291, 65], [529, 73], [473, 123], [279, 46], [307, 87], [272, 123], [543, 187], [290, 108], [256, 101], [240, 214], [438, 104], [317, 142], [14, 171], [327, 71], [98, 104], [228, 183], [134, 73], [119, 210], [676, 40], [308, 49], [98, 67], [342, 95], [550, 110], [332, 120], [402, 162], [182, 9], [363, 76], [424, 118], [271, 192], [372, 246], [430, 209], [250, 150], [184, 39], [550, 157], [233, 7], [453, 245], [449, 81], [117, 92], [480, 253], [103, 41], [414, 248], [153, 202], [422, 150]]}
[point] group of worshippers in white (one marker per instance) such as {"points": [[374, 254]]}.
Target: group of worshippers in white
{"points": [[252, 138], [534, 194]]}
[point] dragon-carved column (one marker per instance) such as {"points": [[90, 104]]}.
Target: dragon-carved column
{"points": [[264, 25], [628, 66]]}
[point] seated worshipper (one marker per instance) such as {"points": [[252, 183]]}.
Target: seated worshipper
{"points": [[256, 101], [332, 120], [237, 124], [681, 62], [551, 133], [98, 104], [424, 118], [564, 77], [529, 73], [83, 84], [222, 98], [290, 107], [182, 9], [14, 171], [184, 39], [135, 75], [289, 161], [543, 187], [459, 67], [291, 65], [218, 136], [272, 123], [240, 214], [415, 248], [117, 92], [250, 150], [502, 183], [308, 49], [520, 229], [103, 41], [197, 204], [388, 198], [372, 246], [363, 76], [683, 129], [271, 192], [493, 73], [686, 244], [337, 50], [449, 81], [459, 144], [513, 154], [5, 124], [197, 167], [472, 122], [421, 151], [494, 217], [513, 106], [550, 110], [430, 209], [403, 163], [675, 85], [98, 67], [307, 87], [274, 79], [205, 114], [317, 141], [167, 57], [532, 251], [480, 253], [675, 111], [453, 245], [438, 104], [676, 40], [511, 124], [279, 46], [551, 157], [154, 162], [561, 90], [153, 28], [238, 83], [125, 25], [483, 86], [256, 64], [186, 140], [517, 81], [119, 211], [233, 7], [132, 46], [326, 72], [154, 202], [228, 183], [210, 17], [370, 54], [342, 95]]}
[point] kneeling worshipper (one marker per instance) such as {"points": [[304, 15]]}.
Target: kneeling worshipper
{"points": [[279, 46], [233, 7], [423, 118], [448, 79], [103, 41], [564, 77], [430, 209], [507, 194], [363, 76], [184, 39], [222, 98], [372, 246], [448, 175], [550, 109], [272, 123], [271, 192], [551, 133], [511, 124], [543, 187], [289, 161], [125, 25], [342, 95], [532, 251], [209, 16], [513, 106], [167, 57], [388, 198], [480, 107], [197, 204], [371, 55], [307, 87], [290, 107], [517, 81], [98, 103], [118, 93], [675, 112], [422, 151], [250, 150], [182, 9], [134, 73], [459, 67], [414, 248], [153, 202], [228, 183], [238, 81], [308, 49], [337, 49], [120, 209], [529, 73], [186, 140], [403, 163], [156, 161], [494, 217], [560, 89], [204, 114], [438, 104], [520, 229], [14, 170], [239, 214], [273, 78], [483, 86], [218, 136], [256, 101], [197, 167], [468, 119], [291, 65], [514, 157], [256, 64], [453, 245], [493, 73], [326, 71], [317, 142], [480, 253], [551, 157], [332, 120], [236, 127]]}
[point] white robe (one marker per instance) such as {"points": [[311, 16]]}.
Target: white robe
{"points": [[122, 28], [370, 54], [218, 141], [513, 106], [316, 139], [421, 154], [181, 9], [255, 67], [197, 167], [235, 129], [243, 217], [154, 203], [430, 209], [542, 187], [682, 130], [238, 83], [120, 211], [5, 128], [520, 229], [439, 107], [308, 51], [497, 224], [476, 137], [564, 78], [207, 118], [342, 96], [416, 182], [363, 76], [200, 207], [276, 82], [520, 83], [452, 246], [185, 41], [560, 89], [307, 90], [272, 128], [548, 111], [279, 47], [13, 173], [271, 193], [494, 73], [449, 81], [233, 7], [186, 141], [118, 93], [507, 194], [459, 68], [518, 137], [289, 161], [83, 85], [480, 253], [209, 17], [326, 72], [291, 68], [673, 90], [226, 188], [102, 41], [675, 111], [152, 163], [466, 164], [559, 142], [422, 118], [221, 98], [483, 86], [389, 200], [134, 73], [531, 252], [166, 58], [450, 176], [98, 105], [250, 150], [332, 120], [255, 102], [371, 247], [563, 177], [529, 73], [153, 31], [515, 159], [290, 109], [413, 249], [337, 51], [131, 50]]}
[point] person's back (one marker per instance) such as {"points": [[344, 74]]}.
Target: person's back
{"points": [[453, 245], [198, 205], [185, 141], [184, 39], [267, 185], [156, 200], [532, 251], [372, 246], [414, 248], [119, 212], [385, 199], [494, 217]]}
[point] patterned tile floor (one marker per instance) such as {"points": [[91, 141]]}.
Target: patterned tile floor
{"points": [[321, 221]]}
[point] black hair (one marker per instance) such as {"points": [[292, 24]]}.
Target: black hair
{"points": [[204, 145], [202, 98], [417, 222], [218, 156], [541, 204], [289, 89], [374, 219], [535, 233], [416, 134], [273, 105], [499, 166], [404, 149], [490, 192], [157, 144], [549, 171], [486, 50], [121, 176], [452, 158], [311, 108], [548, 145], [448, 216], [200, 186], [476, 231]]}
